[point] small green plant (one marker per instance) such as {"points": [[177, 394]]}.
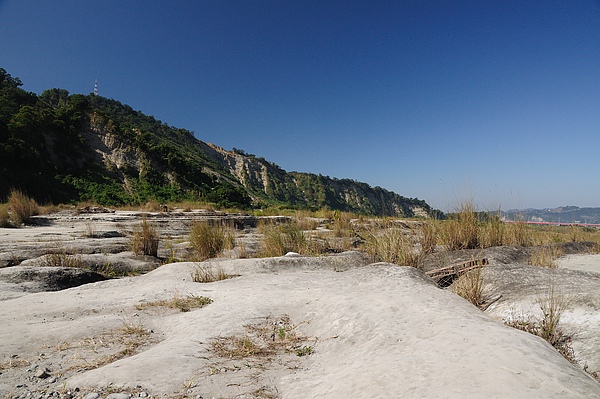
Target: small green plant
{"points": [[207, 239], [144, 241], [22, 208], [304, 351]]}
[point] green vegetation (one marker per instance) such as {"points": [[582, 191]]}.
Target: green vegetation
{"points": [[209, 239], [52, 145]]}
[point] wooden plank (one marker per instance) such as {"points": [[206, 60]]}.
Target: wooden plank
{"points": [[457, 269]]}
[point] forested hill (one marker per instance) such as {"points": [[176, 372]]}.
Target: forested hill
{"points": [[58, 147]]}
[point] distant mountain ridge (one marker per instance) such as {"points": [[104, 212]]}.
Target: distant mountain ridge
{"points": [[60, 147], [563, 214]]}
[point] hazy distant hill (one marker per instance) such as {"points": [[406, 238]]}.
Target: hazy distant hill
{"points": [[59, 147], [563, 214]]}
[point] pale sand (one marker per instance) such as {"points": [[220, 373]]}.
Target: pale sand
{"points": [[379, 331], [586, 263]]}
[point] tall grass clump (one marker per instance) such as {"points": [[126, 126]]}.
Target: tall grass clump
{"points": [[470, 286], [4, 216], [518, 233], [21, 207], [392, 244], [492, 233], [208, 239], [144, 240], [545, 256], [428, 236], [281, 239], [461, 230]]}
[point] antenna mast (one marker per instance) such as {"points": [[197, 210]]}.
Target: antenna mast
{"points": [[96, 87]]}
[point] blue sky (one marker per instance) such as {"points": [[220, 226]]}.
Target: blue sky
{"points": [[440, 100]]}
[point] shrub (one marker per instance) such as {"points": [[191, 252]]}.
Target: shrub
{"points": [[22, 208], [145, 240]]}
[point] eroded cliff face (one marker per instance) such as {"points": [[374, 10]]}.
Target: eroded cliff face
{"points": [[109, 147], [250, 172], [262, 178]]}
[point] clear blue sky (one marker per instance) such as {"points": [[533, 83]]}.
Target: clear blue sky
{"points": [[440, 100]]}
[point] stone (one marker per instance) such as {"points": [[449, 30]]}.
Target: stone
{"points": [[42, 373]]}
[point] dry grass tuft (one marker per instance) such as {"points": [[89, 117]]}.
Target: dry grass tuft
{"points": [[552, 305], [428, 234], [4, 216], [184, 304], [144, 241], [545, 256], [209, 239], [204, 273], [281, 239], [12, 363], [262, 340], [62, 258], [22, 208], [390, 243], [470, 286]]}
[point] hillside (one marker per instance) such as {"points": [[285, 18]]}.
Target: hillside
{"points": [[59, 147], [563, 214]]}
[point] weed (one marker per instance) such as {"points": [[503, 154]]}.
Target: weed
{"points": [[304, 351], [461, 231], [144, 241]]}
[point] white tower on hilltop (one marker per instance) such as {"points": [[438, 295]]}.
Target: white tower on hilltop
{"points": [[96, 87]]}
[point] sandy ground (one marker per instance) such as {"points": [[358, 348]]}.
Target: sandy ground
{"points": [[586, 263], [378, 331]]}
